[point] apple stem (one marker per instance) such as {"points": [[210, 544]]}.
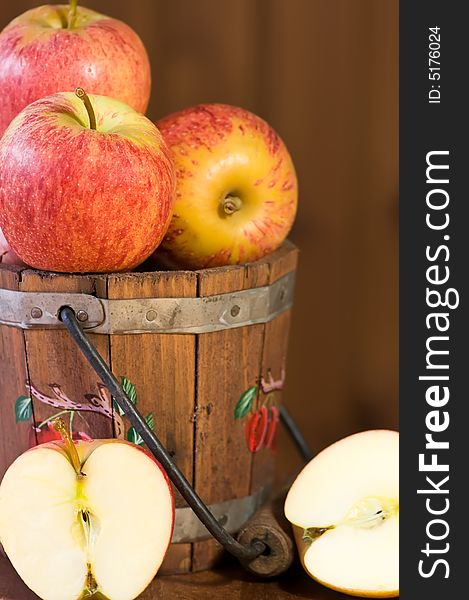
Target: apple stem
{"points": [[72, 14], [59, 425], [231, 204], [80, 92]]}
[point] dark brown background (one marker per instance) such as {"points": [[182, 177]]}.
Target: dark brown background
{"points": [[324, 74]]}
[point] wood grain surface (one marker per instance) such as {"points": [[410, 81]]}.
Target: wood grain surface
{"points": [[162, 368], [230, 582], [238, 357], [274, 360], [229, 363], [53, 358], [14, 437]]}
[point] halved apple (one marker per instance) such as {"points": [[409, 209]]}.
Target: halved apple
{"points": [[91, 519], [344, 507]]}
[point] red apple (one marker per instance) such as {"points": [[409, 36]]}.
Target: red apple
{"points": [[7, 256], [74, 198], [236, 187], [86, 519], [55, 48]]}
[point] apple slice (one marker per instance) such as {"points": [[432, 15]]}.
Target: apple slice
{"points": [[344, 506], [85, 518]]}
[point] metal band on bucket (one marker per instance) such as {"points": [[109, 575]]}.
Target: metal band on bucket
{"points": [[40, 310], [232, 515]]}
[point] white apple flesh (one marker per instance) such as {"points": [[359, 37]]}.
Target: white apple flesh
{"points": [[103, 532], [344, 506]]}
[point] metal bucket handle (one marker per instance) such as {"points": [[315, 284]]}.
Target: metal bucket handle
{"points": [[244, 553]]}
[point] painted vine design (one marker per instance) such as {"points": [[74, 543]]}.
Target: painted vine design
{"points": [[101, 403]]}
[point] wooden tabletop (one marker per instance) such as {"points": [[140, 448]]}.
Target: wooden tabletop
{"points": [[228, 583]]}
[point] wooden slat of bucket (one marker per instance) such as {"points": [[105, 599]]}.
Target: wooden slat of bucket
{"points": [[54, 359], [228, 362], [274, 357], [14, 437], [162, 367]]}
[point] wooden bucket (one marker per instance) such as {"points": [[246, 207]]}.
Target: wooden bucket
{"points": [[205, 350]]}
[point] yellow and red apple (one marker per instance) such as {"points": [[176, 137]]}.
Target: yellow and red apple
{"points": [[55, 48], [77, 196], [236, 193], [86, 519]]}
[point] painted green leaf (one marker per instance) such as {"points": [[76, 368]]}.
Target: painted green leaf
{"points": [[132, 434], [150, 421], [134, 437], [129, 389], [244, 404], [23, 408], [117, 408]]}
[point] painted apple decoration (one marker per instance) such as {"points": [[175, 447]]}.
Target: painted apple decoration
{"points": [[54, 48], [7, 256], [86, 518], [344, 507], [236, 187], [48, 433], [86, 184]]}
